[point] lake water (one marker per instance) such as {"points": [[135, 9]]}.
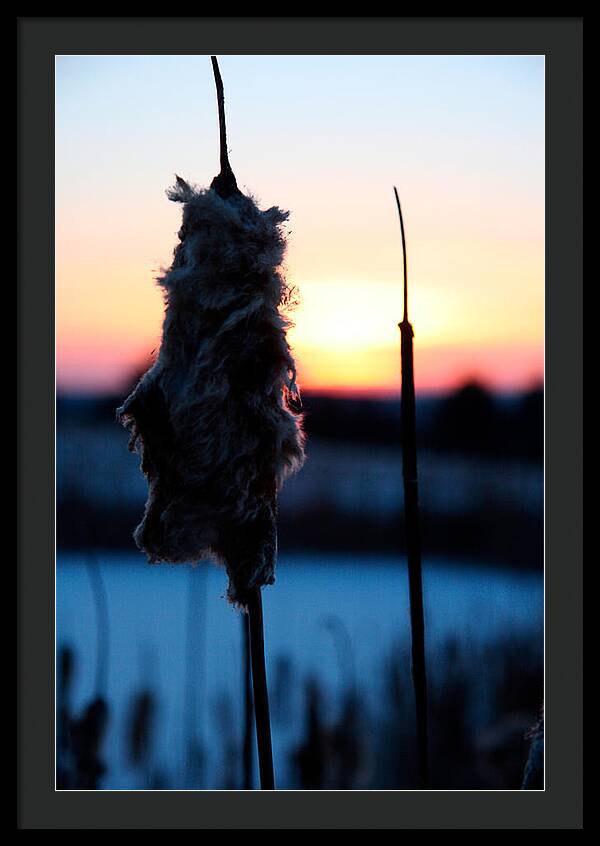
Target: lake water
{"points": [[334, 617]]}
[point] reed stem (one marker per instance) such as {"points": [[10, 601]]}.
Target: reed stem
{"points": [[411, 516], [102, 623], [261, 695], [248, 705], [223, 157], [224, 184]]}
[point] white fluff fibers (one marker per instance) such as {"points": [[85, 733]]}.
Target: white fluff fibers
{"points": [[216, 418]]}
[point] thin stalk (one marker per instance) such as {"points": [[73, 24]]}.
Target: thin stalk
{"points": [[195, 622], [224, 159], [248, 705], [102, 623], [261, 695], [411, 516], [224, 184]]}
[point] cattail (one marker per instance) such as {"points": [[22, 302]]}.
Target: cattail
{"points": [[216, 418], [212, 418], [411, 513]]}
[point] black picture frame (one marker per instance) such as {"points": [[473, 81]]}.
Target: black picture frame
{"points": [[560, 805]]}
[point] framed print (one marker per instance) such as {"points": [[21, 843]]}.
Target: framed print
{"points": [[300, 423]]}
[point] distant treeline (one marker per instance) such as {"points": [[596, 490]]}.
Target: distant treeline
{"points": [[488, 535], [491, 434], [472, 420]]}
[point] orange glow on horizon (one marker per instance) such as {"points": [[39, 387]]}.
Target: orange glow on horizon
{"points": [[470, 175], [344, 335]]}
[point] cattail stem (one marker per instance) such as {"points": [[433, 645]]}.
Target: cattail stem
{"points": [[223, 157], [404, 270], [261, 696], [195, 638], [411, 514], [224, 184], [248, 704]]}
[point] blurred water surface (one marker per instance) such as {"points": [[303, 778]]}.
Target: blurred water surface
{"points": [[337, 619]]}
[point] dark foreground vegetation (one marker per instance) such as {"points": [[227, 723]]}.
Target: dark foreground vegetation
{"points": [[483, 703]]}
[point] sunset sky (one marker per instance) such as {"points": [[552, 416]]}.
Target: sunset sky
{"points": [[325, 137]]}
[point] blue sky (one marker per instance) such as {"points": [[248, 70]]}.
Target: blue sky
{"points": [[326, 137]]}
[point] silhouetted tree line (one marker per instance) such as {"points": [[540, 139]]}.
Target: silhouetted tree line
{"points": [[472, 420], [480, 535]]}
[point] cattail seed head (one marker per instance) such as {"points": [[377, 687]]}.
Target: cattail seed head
{"points": [[216, 418]]}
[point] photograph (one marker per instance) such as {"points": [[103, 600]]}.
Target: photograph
{"points": [[299, 401]]}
